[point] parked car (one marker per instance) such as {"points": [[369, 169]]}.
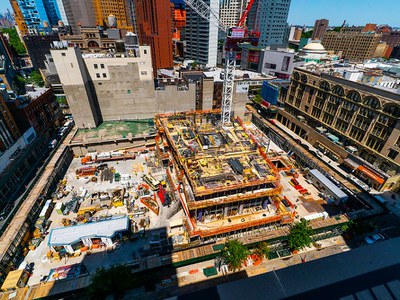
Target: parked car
{"points": [[372, 239]]}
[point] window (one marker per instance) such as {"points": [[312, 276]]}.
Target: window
{"points": [[63, 54], [145, 51], [96, 66], [143, 73], [102, 66], [392, 154], [98, 75], [104, 75], [270, 66], [129, 92]]}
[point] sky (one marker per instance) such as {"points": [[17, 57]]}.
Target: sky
{"points": [[355, 12]]}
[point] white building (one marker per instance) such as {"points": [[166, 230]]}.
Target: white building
{"points": [[230, 11], [278, 63], [103, 233], [201, 36]]}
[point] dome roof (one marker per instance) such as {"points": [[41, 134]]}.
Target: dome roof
{"points": [[314, 47]]}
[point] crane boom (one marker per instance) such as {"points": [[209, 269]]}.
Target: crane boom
{"points": [[206, 12], [245, 14]]}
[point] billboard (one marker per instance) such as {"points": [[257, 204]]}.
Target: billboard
{"points": [[270, 93]]}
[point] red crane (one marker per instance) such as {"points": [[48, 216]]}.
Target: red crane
{"points": [[243, 18]]}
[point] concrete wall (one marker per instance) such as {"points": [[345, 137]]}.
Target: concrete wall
{"points": [[73, 74], [208, 93], [173, 100]]}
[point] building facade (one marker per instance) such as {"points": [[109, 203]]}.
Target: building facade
{"points": [[9, 131], [108, 88], [38, 109], [154, 27], [120, 9], [36, 15], [19, 18], [320, 28], [201, 36], [347, 114], [230, 11], [269, 17], [79, 13], [354, 44], [38, 46], [391, 38]]}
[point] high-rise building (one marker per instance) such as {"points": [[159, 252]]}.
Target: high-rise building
{"points": [[19, 18], [79, 13], [354, 44], [154, 28], [230, 11], [36, 15], [201, 36], [120, 9], [320, 28], [269, 17]]}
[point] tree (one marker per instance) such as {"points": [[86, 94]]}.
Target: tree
{"points": [[15, 41], [234, 254], [300, 235], [115, 280], [307, 34], [262, 250], [19, 85], [36, 78]]}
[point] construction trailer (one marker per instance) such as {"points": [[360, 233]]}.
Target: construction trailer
{"points": [[327, 187], [225, 180]]}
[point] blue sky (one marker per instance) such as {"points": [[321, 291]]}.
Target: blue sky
{"points": [[356, 12]]}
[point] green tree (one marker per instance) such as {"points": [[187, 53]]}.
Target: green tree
{"points": [[113, 281], [15, 41], [307, 34], [300, 235], [234, 254], [36, 78], [337, 29], [19, 85], [262, 250]]}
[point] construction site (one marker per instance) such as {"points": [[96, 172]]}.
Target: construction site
{"points": [[231, 178], [176, 201]]}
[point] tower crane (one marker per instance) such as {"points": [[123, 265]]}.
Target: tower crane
{"points": [[207, 13]]}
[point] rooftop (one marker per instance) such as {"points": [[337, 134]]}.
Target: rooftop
{"points": [[69, 235], [239, 75]]}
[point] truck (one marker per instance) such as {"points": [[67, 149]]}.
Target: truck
{"points": [[86, 171], [91, 158]]}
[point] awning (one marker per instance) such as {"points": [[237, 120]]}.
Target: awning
{"points": [[351, 163], [371, 174]]}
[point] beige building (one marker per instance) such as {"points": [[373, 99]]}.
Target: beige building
{"points": [[104, 87], [342, 118], [354, 44]]}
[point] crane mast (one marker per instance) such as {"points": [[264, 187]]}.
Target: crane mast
{"points": [[205, 11]]}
